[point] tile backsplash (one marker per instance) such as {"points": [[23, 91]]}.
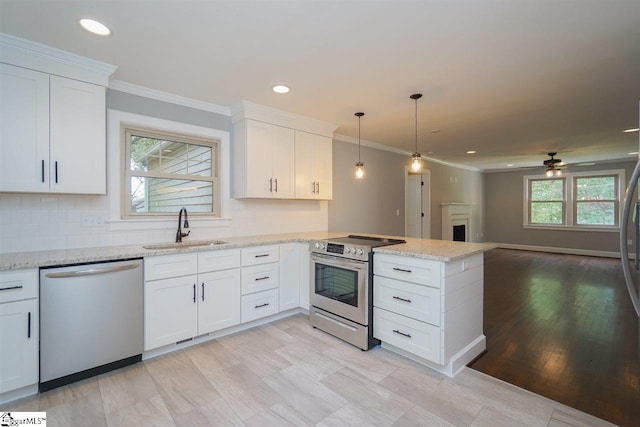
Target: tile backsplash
{"points": [[45, 222]]}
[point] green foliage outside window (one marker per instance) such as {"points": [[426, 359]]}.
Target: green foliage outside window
{"points": [[547, 205], [595, 200]]}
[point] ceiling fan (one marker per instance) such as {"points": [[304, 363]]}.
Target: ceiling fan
{"points": [[554, 166]]}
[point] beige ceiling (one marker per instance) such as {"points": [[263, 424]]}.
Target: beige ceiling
{"points": [[510, 79]]}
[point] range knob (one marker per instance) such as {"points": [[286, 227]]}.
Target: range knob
{"points": [[360, 252], [319, 245], [352, 250]]}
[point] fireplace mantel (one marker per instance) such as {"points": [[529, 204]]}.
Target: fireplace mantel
{"points": [[456, 214]]}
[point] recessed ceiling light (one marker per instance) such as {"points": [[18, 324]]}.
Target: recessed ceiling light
{"points": [[510, 165], [281, 89], [95, 27], [471, 152], [633, 153], [631, 130]]}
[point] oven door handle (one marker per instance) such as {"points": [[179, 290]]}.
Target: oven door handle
{"points": [[338, 262], [344, 325]]}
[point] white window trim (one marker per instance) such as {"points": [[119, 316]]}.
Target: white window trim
{"points": [[569, 224], [115, 121]]}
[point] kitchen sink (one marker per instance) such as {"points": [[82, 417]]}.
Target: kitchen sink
{"points": [[178, 245]]}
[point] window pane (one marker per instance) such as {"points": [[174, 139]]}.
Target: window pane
{"points": [[547, 189], [170, 157], [156, 195], [596, 213], [596, 188], [546, 212]]}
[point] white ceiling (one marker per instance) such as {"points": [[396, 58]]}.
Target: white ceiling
{"points": [[509, 79]]}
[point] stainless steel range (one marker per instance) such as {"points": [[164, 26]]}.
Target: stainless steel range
{"points": [[342, 286]]}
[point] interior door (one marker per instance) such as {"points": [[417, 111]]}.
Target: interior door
{"points": [[418, 205]]}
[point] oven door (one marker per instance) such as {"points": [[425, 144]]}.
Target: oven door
{"points": [[339, 285]]}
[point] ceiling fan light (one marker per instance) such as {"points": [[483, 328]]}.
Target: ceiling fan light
{"points": [[557, 172], [549, 173]]}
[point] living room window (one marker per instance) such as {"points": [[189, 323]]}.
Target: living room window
{"points": [[579, 200], [165, 172]]}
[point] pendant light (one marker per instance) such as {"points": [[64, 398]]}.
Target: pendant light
{"points": [[416, 158], [359, 165]]}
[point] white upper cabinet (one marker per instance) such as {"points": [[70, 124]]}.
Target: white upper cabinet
{"points": [[52, 120], [313, 166], [280, 155], [77, 137], [266, 169], [24, 130]]}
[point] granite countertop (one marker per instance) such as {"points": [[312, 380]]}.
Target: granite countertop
{"points": [[437, 250]]}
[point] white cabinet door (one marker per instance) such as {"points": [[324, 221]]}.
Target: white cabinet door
{"points": [[289, 276], [324, 168], [77, 138], [305, 276], [170, 311], [19, 349], [283, 162], [313, 166], [259, 166], [219, 300], [24, 130]]}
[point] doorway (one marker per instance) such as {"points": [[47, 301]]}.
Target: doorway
{"points": [[417, 204]]}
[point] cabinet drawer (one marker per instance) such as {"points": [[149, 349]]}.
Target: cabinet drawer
{"points": [[415, 270], [18, 285], [410, 335], [259, 305], [165, 266], [257, 278], [408, 299], [259, 255], [218, 260]]}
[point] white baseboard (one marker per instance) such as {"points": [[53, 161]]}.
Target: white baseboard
{"points": [[556, 250]]}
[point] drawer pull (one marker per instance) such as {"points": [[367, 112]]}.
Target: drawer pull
{"points": [[402, 299], [260, 255], [29, 325], [11, 287], [402, 333], [202, 291], [261, 278], [194, 292], [401, 269], [262, 305]]}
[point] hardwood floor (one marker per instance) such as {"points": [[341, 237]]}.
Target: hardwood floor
{"points": [[563, 326], [288, 374]]}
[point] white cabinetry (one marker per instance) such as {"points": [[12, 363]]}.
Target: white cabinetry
{"points": [[290, 275], [263, 160], [19, 331], [304, 275], [260, 282], [313, 166], [430, 311], [187, 295], [52, 133]]}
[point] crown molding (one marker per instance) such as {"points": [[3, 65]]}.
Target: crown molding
{"points": [[36, 56], [351, 140], [249, 110], [158, 95]]}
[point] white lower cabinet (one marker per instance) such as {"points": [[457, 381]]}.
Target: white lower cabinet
{"points": [[189, 305], [290, 264], [258, 305], [19, 330], [428, 310], [260, 282], [170, 311]]}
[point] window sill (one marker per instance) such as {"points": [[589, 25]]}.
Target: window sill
{"points": [[163, 223], [612, 229]]}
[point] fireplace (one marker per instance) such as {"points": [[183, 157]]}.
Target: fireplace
{"points": [[456, 222]]}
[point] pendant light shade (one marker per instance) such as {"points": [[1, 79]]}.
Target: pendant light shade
{"points": [[416, 157], [359, 165]]}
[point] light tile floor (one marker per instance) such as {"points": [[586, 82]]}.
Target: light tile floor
{"points": [[288, 374]]}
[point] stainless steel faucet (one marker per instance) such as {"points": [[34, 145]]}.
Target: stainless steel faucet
{"points": [[180, 234]]}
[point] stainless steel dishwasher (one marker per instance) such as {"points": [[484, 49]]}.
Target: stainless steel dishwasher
{"points": [[90, 320]]}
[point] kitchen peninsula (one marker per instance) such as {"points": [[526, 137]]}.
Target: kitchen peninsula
{"points": [[443, 283]]}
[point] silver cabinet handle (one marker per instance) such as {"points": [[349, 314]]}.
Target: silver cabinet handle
{"points": [[318, 184], [202, 291], [270, 185], [262, 305], [401, 269], [276, 185], [91, 271], [42, 167], [402, 333], [313, 187], [402, 299], [194, 292]]}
